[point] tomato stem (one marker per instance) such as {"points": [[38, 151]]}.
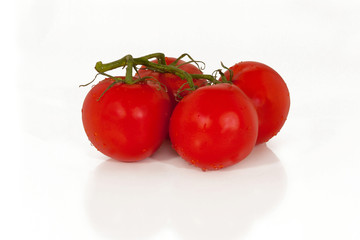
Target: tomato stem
{"points": [[130, 63], [192, 61], [101, 68], [167, 69], [230, 72], [159, 56], [205, 76]]}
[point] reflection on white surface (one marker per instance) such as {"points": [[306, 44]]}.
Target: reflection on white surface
{"points": [[139, 200]]}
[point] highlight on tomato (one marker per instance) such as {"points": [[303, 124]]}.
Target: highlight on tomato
{"points": [[267, 91]]}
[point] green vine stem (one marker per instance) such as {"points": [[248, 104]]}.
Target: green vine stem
{"points": [[167, 69], [122, 62], [208, 77], [130, 63]]}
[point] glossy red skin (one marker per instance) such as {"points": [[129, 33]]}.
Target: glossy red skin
{"points": [[129, 122], [268, 92], [173, 82], [214, 127]]}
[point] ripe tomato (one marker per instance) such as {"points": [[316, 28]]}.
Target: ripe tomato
{"points": [[268, 92], [171, 81], [129, 122], [214, 127]]}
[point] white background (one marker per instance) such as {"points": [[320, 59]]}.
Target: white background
{"points": [[303, 184]]}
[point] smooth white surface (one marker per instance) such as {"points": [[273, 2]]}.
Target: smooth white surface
{"points": [[303, 184]]}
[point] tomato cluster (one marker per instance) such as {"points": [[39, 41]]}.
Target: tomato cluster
{"points": [[212, 123]]}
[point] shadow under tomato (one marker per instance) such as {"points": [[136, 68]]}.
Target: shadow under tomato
{"points": [[165, 152], [260, 156], [169, 157], [140, 200]]}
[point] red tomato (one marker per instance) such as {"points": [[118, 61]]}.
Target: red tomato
{"points": [[214, 127], [129, 122], [173, 82], [268, 92]]}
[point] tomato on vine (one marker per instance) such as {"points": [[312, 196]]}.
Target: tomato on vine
{"points": [[127, 122], [214, 127], [267, 91]]}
